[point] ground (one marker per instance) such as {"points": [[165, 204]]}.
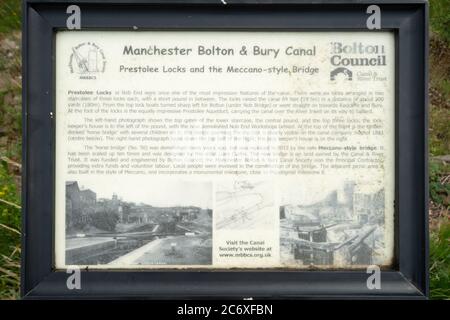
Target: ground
{"points": [[10, 150], [176, 250]]}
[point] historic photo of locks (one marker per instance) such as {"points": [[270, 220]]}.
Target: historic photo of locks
{"points": [[342, 226], [156, 224]]}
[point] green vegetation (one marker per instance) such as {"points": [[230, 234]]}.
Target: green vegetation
{"points": [[440, 261], [10, 148], [440, 17], [439, 184], [440, 131], [439, 138], [10, 15], [9, 234]]}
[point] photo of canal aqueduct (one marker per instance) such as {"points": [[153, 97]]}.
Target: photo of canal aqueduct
{"points": [[113, 231]]}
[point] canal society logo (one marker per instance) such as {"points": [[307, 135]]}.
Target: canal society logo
{"points": [[87, 60]]}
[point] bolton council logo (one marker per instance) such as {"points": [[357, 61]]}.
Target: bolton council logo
{"points": [[87, 60]]}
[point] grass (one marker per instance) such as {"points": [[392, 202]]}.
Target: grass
{"points": [[10, 148], [439, 135], [439, 140], [439, 230], [10, 15], [440, 260], [9, 234], [440, 17], [439, 184]]}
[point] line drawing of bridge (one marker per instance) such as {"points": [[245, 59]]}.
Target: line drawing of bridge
{"points": [[243, 206]]}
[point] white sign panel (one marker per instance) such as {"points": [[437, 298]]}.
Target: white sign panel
{"points": [[180, 149]]}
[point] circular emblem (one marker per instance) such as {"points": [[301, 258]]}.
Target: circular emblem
{"points": [[87, 60]]}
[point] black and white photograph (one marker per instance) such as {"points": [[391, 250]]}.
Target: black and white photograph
{"points": [[342, 226], [161, 223]]}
